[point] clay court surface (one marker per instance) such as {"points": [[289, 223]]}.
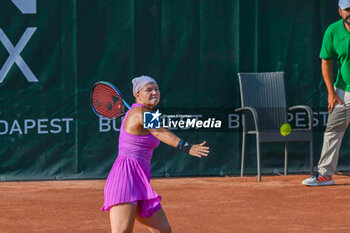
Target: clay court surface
{"points": [[193, 205]]}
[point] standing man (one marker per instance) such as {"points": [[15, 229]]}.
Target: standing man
{"points": [[336, 44]]}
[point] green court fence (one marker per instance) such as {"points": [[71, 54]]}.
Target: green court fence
{"points": [[52, 52]]}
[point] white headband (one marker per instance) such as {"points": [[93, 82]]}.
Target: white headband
{"points": [[139, 82]]}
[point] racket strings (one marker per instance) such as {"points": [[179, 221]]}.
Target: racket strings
{"points": [[106, 101]]}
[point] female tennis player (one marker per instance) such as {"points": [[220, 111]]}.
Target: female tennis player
{"points": [[128, 193]]}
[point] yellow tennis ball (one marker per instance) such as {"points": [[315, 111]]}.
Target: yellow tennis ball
{"points": [[286, 129]]}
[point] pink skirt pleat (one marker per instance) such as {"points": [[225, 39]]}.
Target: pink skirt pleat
{"points": [[129, 181]]}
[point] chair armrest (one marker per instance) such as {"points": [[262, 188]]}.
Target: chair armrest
{"points": [[254, 113], [308, 110]]}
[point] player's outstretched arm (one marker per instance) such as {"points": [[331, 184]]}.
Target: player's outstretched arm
{"points": [[134, 125], [166, 136]]}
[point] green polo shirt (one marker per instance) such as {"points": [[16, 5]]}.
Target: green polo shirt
{"points": [[336, 43]]}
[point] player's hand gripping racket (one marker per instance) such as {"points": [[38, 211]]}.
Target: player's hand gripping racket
{"points": [[107, 101]]}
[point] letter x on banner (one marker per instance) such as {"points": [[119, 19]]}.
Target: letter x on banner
{"points": [[15, 56]]}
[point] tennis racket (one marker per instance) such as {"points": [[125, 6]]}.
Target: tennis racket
{"points": [[107, 101]]}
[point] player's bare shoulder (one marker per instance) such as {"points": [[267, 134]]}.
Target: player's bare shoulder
{"points": [[134, 121], [135, 115]]}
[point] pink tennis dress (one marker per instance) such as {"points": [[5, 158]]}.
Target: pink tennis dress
{"points": [[129, 178]]}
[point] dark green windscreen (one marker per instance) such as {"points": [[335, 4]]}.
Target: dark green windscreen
{"points": [[52, 52]]}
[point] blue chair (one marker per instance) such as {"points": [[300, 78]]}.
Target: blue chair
{"points": [[264, 110]]}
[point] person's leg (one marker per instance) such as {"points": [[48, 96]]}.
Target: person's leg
{"points": [[157, 223], [122, 217], [333, 136], [337, 123]]}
